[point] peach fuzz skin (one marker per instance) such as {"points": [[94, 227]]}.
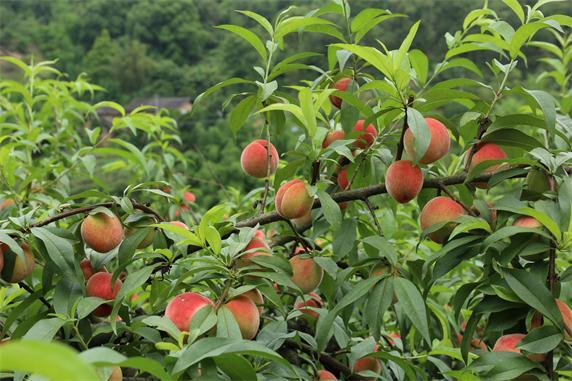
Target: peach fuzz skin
{"points": [[102, 232], [332, 136], [256, 296], [246, 314], [437, 210], [403, 181], [326, 375], [508, 343], [367, 135], [368, 363], [439, 142], [255, 162], [293, 200], [306, 273], [341, 84], [310, 300], [99, 284], [183, 307]]}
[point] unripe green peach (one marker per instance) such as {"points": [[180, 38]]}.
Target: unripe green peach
{"points": [[100, 285], [183, 307], [539, 181], [14, 268], [140, 224], [437, 210], [438, 144], [307, 275], [332, 136], [341, 84], [403, 181], [246, 314], [257, 162], [102, 232], [293, 200], [368, 135]]}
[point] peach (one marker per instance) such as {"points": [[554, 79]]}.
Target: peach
{"points": [[487, 151], [189, 197], [509, 343], [307, 275], [332, 136], [99, 285], [380, 269], [314, 300], [6, 203], [116, 374], [527, 222], [343, 181], [179, 224], [326, 375], [341, 84], [143, 223], [246, 314], [256, 296], [102, 232], [438, 143], [566, 318], [403, 181], [368, 363], [183, 307], [368, 137], [392, 336], [86, 268], [539, 182], [437, 210], [255, 243], [257, 162], [306, 219], [14, 268], [293, 200]]}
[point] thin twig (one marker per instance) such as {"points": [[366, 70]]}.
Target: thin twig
{"points": [[372, 212], [31, 291], [452, 196]]}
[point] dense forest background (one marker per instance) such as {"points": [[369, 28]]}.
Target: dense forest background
{"points": [[170, 48]]}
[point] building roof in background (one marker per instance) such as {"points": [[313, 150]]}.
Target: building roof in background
{"points": [[170, 103]]}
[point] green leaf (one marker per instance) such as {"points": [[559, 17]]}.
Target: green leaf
{"points": [[291, 108], [544, 219], [39, 357], [259, 19], [241, 112], [541, 340], [524, 33], [546, 103], [420, 130], [220, 85], [226, 325], [212, 347], [249, 37], [87, 305], [45, 329], [532, 291], [59, 250], [465, 63], [405, 45], [513, 137], [420, 64], [516, 8], [413, 305], [372, 56], [331, 209], [292, 24], [307, 106], [236, 367]]}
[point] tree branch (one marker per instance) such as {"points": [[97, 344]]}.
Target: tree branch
{"points": [[400, 145]]}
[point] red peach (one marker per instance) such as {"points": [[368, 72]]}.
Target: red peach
{"points": [[487, 151], [246, 314], [189, 197], [256, 296], [314, 300], [21, 268], [332, 136], [341, 84], [86, 268], [179, 224], [325, 375], [293, 200], [255, 243], [527, 222], [257, 162], [368, 137], [438, 144], [509, 343], [368, 363], [102, 232], [6, 203], [99, 284], [404, 181], [183, 307], [307, 275], [566, 318], [343, 181], [437, 210]]}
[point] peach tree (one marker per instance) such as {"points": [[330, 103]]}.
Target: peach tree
{"points": [[420, 227]]}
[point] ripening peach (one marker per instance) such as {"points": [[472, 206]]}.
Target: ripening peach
{"points": [[487, 151], [99, 284], [307, 275], [6, 203], [437, 210], [306, 219], [14, 268], [179, 224], [438, 144], [380, 269], [116, 374], [102, 232], [527, 222], [143, 223], [343, 181], [293, 199], [332, 136], [368, 363], [341, 84], [246, 314], [509, 343], [566, 318], [255, 243], [189, 197], [539, 181], [256, 296], [257, 161], [403, 181], [368, 136], [183, 307], [310, 300], [325, 375]]}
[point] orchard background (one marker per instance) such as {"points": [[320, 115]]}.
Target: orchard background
{"points": [[412, 219]]}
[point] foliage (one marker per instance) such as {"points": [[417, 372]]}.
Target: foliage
{"points": [[60, 162]]}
